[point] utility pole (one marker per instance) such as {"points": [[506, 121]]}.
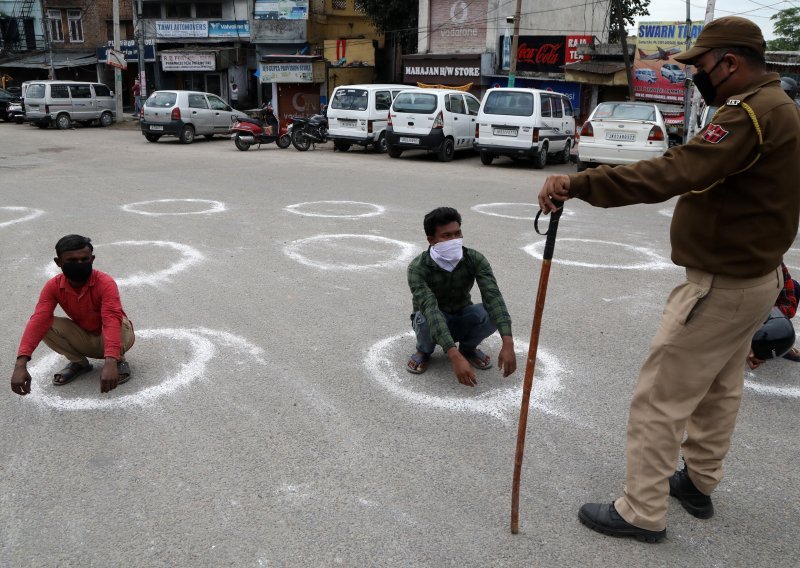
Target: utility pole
{"points": [[49, 40], [512, 71], [623, 40], [117, 72], [139, 24]]}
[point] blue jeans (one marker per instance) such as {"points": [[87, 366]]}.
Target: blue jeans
{"points": [[468, 327]]}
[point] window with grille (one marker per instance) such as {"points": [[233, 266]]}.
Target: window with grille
{"points": [[151, 10], [178, 10], [54, 26], [208, 10], [359, 7], [75, 26], [339, 4]]}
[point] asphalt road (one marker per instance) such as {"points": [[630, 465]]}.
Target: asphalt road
{"points": [[269, 421]]}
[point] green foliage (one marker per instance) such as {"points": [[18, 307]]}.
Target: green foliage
{"points": [[787, 28], [396, 18], [630, 9]]}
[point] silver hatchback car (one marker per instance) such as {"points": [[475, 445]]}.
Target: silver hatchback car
{"points": [[186, 114]]}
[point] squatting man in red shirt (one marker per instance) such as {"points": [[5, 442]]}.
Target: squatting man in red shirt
{"points": [[95, 327]]}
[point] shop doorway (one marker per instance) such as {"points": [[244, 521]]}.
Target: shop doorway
{"points": [[214, 83]]}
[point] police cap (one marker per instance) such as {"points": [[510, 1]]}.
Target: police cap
{"points": [[730, 31]]}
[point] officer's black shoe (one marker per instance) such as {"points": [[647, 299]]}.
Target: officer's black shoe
{"points": [[604, 518], [697, 503]]}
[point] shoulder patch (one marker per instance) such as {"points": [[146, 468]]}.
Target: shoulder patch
{"points": [[733, 102], [715, 133]]}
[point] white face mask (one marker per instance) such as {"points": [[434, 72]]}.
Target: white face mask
{"points": [[447, 254]]}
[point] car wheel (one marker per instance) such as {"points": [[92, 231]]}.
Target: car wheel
{"points": [[152, 137], [380, 145], [486, 158], [540, 159], [300, 141], [393, 152], [563, 156], [241, 144], [63, 121], [284, 141], [447, 150], [208, 136], [341, 146], [187, 135], [106, 119]]}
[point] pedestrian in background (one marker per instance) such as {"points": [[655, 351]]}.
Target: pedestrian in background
{"points": [[736, 217], [234, 96], [137, 98]]}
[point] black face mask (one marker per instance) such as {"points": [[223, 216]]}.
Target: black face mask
{"points": [[708, 90], [77, 271]]}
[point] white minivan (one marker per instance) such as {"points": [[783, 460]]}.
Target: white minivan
{"points": [[437, 120], [358, 114], [62, 102], [525, 123]]}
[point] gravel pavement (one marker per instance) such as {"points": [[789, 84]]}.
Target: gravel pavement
{"points": [[269, 421]]}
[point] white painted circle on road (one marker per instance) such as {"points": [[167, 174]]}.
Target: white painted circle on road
{"points": [[564, 248], [211, 207], [339, 250], [520, 211], [189, 257], [26, 214], [439, 389], [336, 209], [202, 343]]}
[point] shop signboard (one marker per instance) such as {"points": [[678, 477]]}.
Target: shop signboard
{"points": [[186, 61], [454, 71], [229, 28], [280, 10], [172, 28], [130, 47], [656, 74], [286, 73]]}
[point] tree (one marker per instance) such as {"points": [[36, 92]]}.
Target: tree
{"points": [[787, 28], [396, 18], [630, 9]]}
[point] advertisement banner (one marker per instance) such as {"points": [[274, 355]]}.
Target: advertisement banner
{"points": [[229, 28], [280, 10], [181, 29], [656, 74], [458, 26], [286, 73], [542, 54], [130, 47], [188, 62]]}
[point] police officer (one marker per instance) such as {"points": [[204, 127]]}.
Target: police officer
{"points": [[736, 217]]}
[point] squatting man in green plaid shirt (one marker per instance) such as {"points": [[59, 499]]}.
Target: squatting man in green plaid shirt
{"points": [[440, 280]]}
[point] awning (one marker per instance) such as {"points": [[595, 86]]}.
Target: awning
{"points": [[598, 67], [41, 60]]}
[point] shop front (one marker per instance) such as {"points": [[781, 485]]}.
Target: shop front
{"points": [[294, 84]]}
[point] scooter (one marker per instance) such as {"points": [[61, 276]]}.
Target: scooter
{"points": [[306, 131], [248, 131]]}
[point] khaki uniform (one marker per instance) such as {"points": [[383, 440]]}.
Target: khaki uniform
{"points": [[737, 215]]}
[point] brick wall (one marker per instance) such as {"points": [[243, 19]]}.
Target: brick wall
{"points": [[95, 15]]}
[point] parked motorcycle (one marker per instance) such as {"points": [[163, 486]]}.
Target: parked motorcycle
{"points": [[306, 131], [248, 131]]}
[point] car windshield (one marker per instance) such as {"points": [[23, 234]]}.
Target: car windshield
{"points": [[625, 111], [350, 99], [415, 102], [509, 103], [162, 100]]}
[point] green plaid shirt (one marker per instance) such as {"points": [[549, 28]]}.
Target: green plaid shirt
{"points": [[435, 290]]}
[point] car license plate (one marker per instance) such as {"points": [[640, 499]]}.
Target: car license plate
{"points": [[409, 140], [504, 132], [346, 122], [621, 136], [156, 127]]}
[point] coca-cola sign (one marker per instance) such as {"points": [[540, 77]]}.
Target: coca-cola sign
{"points": [[543, 54]]}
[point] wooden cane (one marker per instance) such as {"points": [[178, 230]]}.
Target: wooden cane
{"points": [[530, 366]]}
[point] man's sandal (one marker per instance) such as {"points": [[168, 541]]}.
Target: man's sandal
{"points": [[124, 371], [70, 373], [420, 362], [478, 359]]}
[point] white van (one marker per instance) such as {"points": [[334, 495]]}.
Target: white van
{"points": [[358, 114], [62, 102], [437, 120], [525, 123]]}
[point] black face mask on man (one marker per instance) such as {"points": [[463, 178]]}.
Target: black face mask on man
{"points": [[708, 90], [77, 271]]}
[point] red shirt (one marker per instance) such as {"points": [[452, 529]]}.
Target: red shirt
{"points": [[95, 307]]}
